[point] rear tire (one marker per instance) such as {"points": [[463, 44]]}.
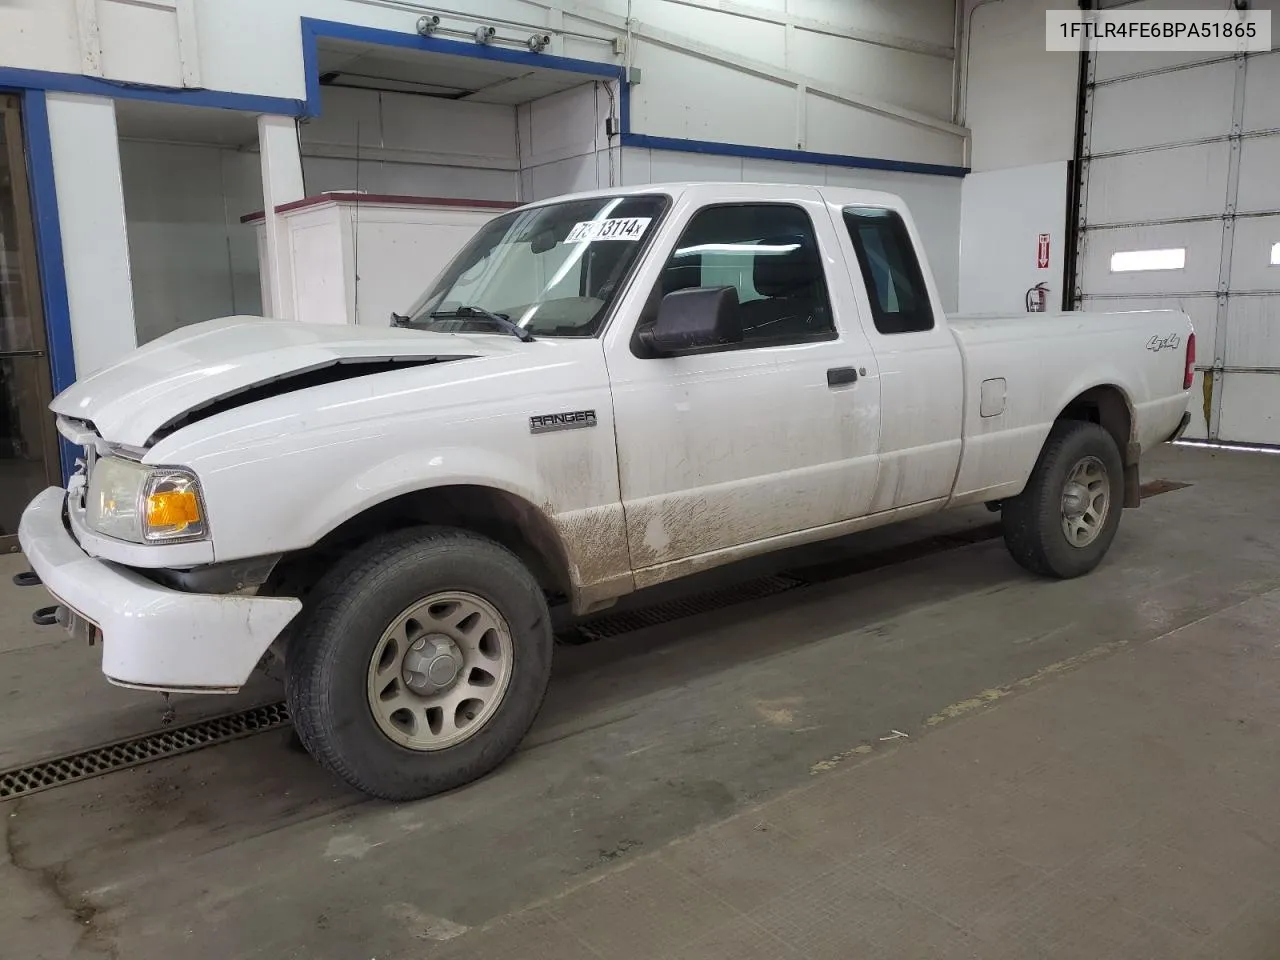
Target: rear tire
{"points": [[422, 665], [1063, 523]]}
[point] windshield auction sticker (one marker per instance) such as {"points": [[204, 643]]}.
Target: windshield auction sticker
{"points": [[617, 228]]}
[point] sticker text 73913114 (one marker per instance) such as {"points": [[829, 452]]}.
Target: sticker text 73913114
{"points": [[615, 228]]}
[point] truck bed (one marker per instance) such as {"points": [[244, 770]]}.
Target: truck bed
{"points": [[1142, 353]]}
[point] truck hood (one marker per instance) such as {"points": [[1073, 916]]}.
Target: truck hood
{"points": [[206, 367]]}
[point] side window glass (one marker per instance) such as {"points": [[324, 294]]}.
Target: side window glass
{"points": [[769, 254], [890, 270]]}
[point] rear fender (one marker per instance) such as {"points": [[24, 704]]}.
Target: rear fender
{"points": [[1110, 406]]}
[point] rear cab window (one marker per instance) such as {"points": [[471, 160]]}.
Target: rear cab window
{"points": [[890, 270]]}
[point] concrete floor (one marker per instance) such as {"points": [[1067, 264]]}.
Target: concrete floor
{"points": [[1089, 770]]}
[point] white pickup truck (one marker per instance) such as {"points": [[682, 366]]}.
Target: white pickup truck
{"points": [[600, 393]]}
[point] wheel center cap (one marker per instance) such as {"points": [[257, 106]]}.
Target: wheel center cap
{"points": [[432, 664], [1075, 497]]}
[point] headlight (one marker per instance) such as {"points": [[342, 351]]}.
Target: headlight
{"points": [[129, 501]]}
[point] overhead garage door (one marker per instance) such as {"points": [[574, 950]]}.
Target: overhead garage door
{"points": [[1180, 207]]}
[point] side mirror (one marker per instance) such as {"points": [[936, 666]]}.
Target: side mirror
{"points": [[694, 319]]}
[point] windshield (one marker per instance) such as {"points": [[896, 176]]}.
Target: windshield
{"points": [[553, 270]]}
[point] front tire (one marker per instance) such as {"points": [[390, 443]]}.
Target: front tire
{"points": [[422, 665], [1063, 523]]}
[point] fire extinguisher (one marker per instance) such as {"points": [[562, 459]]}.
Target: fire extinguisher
{"points": [[1038, 298]]}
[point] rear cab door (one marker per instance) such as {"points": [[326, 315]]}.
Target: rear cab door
{"points": [[722, 450], [921, 370]]}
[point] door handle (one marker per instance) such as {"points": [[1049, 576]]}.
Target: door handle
{"points": [[838, 376]]}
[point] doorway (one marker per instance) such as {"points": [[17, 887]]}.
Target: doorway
{"points": [[28, 442]]}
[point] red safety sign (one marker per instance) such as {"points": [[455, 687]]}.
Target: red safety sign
{"points": [[1042, 252]]}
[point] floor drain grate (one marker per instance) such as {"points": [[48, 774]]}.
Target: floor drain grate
{"points": [[128, 753], [614, 624]]}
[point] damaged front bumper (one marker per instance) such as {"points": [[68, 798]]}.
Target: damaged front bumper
{"points": [[152, 637]]}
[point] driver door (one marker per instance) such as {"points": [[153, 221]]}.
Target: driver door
{"points": [[722, 452]]}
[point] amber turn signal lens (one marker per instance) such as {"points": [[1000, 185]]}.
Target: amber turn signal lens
{"points": [[174, 509]]}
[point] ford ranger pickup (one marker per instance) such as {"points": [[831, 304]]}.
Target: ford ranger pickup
{"points": [[600, 393]]}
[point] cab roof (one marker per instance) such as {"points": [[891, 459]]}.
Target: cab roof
{"points": [[736, 190]]}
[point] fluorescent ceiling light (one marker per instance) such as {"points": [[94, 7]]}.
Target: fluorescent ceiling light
{"points": [[1125, 261], [1275, 254]]}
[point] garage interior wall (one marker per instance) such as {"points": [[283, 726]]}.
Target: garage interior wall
{"points": [[563, 145], [191, 259], [856, 77], [384, 142], [1180, 154], [418, 145], [1019, 102], [711, 82]]}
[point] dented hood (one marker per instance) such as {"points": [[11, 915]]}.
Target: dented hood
{"points": [[202, 364]]}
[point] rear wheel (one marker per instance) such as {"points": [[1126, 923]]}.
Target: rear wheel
{"points": [[423, 664], [1063, 523]]}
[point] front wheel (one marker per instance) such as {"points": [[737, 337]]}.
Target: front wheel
{"points": [[422, 665], [1063, 523]]}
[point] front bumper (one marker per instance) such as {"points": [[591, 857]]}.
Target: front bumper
{"points": [[152, 637]]}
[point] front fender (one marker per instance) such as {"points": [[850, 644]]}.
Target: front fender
{"points": [[280, 473], [590, 540], [416, 470]]}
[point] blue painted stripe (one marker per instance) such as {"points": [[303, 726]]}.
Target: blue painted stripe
{"points": [[122, 90], [311, 67], [713, 148], [48, 232]]}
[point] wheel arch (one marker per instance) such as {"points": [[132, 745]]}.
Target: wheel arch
{"points": [[1109, 406], [504, 517]]}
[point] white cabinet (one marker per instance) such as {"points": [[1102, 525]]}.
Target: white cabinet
{"points": [[355, 258]]}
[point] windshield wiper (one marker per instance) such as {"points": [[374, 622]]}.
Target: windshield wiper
{"points": [[498, 319]]}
